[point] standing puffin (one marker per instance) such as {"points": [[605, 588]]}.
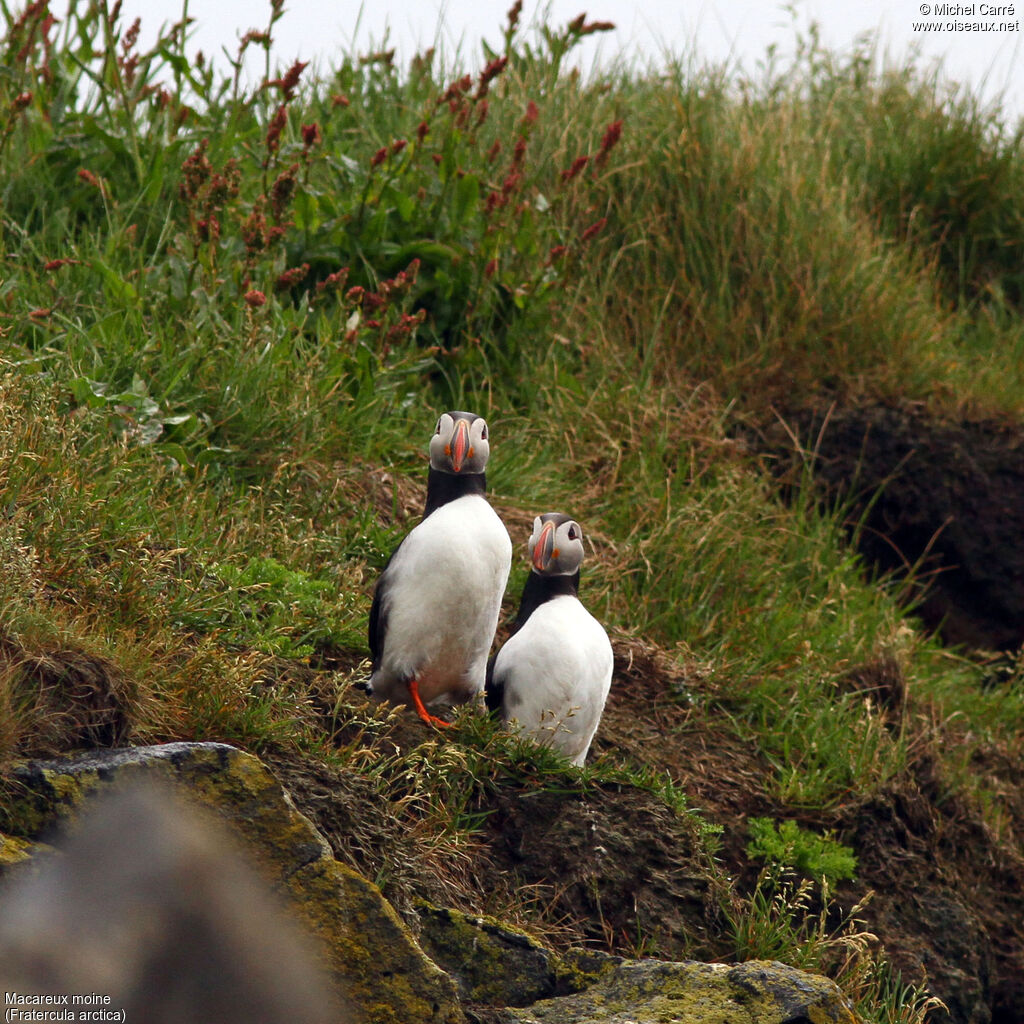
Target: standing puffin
{"points": [[436, 605], [553, 675]]}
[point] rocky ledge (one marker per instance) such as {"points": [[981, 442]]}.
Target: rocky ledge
{"points": [[148, 900]]}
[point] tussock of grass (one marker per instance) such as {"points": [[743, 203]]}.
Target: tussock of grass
{"points": [[229, 316]]}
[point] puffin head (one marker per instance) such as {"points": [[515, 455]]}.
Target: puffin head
{"points": [[459, 444], [556, 545]]}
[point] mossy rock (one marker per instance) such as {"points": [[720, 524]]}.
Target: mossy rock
{"points": [[652, 992], [496, 965], [16, 851], [384, 975]]}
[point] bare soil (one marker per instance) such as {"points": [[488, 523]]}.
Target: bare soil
{"points": [[942, 498]]}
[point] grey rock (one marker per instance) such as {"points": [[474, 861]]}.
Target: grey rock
{"points": [[658, 992]]}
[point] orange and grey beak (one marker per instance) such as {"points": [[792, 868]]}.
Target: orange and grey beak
{"points": [[544, 549], [459, 447]]}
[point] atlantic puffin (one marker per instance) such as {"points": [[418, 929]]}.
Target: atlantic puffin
{"points": [[435, 607], [551, 678]]}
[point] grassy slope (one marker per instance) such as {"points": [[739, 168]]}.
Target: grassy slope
{"points": [[226, 315]]}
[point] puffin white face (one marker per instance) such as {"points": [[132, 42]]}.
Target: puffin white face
{"points": [[459, 444], [556, 545]]}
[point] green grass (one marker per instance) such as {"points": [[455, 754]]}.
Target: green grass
{"points": [[229, 315]]}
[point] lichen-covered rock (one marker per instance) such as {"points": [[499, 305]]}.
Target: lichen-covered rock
{"points": [[14, 851], [496, 965], [654, 992], [385, 976]]}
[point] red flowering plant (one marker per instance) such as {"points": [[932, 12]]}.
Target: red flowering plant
{"points": [[378, 220], [456, 180]]}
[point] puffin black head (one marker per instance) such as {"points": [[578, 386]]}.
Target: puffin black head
{"points": [[556, 545], [459, 444]]}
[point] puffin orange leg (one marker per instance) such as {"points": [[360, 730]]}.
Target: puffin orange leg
{"points": [[417, 703]]}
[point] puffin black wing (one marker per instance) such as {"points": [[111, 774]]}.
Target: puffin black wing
{"points": [[494, 689], [378, 627]]}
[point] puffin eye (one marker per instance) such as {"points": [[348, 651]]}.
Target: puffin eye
{"points": [[437, 429], [572, 533], [483, 433]]}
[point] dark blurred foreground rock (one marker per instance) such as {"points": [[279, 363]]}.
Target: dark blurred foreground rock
{"points": [[149, 911], [148, 903], [384, 976]]}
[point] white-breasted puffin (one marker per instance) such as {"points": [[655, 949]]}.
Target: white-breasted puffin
{"points": [[552, 676], [436, 604]]}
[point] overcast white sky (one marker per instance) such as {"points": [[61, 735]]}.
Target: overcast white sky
{"points": [[737, 30]]}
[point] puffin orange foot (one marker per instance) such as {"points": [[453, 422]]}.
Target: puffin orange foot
{"points": [[425, 715]]}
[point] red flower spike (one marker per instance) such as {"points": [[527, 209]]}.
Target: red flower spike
{"points": [[254, 299], [290, 278], [513, 15], [335, 280], [208, 229], [276, 127], [596, 228], [311, 135], [254, 229], [531, 113], [493, 69], [612, 135], [379, 157], [291, 78], [455, 90], [131, 37], [577, 165], [282, 190]]}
